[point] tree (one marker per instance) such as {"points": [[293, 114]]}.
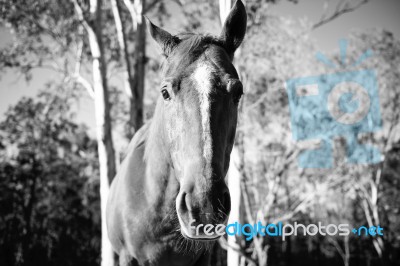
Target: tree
{"points": [[133, 63], [92, 20], [368, 183], [82, 30], [48, 185]]}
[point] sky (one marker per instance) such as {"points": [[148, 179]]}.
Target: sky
{"points": [[375, 14]]}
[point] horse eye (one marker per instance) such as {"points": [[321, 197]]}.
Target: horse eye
{"points": [[237, 91], [165, 95]]}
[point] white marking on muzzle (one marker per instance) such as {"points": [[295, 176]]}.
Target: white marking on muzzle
{"points": [[202, 75]]}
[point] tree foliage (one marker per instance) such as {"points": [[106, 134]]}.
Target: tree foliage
{"points": [[49, 204]]}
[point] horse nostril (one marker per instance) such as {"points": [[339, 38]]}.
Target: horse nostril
{"points": [[188, 201], [182, 203], [185, 204]]}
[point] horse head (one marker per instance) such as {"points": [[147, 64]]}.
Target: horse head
{"points": [[200, 94]]}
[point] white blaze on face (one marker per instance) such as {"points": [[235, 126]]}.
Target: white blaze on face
{"points": [[202, 76]]}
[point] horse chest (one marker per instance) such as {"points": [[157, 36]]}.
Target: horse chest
{"points": [[172, 253]]}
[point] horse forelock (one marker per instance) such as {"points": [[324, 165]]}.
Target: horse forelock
{"points": [[191, 46]]}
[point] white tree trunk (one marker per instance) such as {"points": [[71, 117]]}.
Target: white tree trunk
{"points": [[224, 8], [121, 34], [105, 145], [106, 157], [233, 258]]}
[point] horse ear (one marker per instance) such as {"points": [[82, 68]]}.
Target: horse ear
{"points": [[234, 27], [164, 39]]}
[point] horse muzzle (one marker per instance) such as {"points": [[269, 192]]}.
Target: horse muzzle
{"points": [[203, 217]]}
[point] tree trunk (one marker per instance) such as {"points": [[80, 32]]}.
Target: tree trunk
{"points": [[233, 258], [234, 178], [224, 8], [347, 251], [105, 145], [136, 10], [139, 66], [104, 139], [129, 84], [105, 150]]}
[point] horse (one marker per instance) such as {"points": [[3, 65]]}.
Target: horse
{"points": [[173, 176]]}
